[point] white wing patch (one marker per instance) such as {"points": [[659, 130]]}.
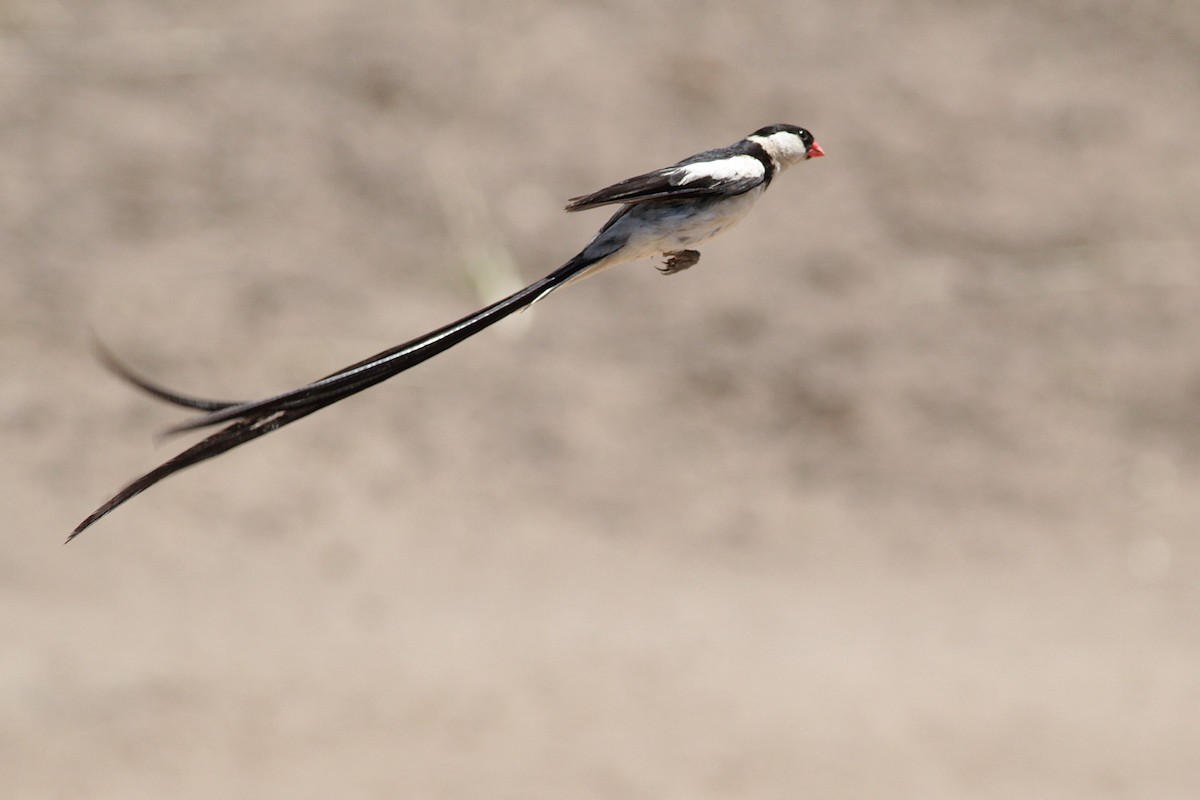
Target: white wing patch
{"points": [[723, 170]]}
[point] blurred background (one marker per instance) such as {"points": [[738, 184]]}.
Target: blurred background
{"points": [[893, 496]]}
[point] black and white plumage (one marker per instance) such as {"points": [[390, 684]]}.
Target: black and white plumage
{"points": [[665, 212]]}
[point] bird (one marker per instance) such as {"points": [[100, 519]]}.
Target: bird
{"points": [[667, 212]]}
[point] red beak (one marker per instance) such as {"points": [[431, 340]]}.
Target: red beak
{"points": [[814, 151]]}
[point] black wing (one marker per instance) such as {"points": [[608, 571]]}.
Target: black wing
{"points": [[727, 171]]}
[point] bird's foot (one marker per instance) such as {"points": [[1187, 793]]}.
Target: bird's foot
{"points": [[678, 261]]}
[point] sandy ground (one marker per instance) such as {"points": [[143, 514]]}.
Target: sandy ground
{"points": [[895, 495]]}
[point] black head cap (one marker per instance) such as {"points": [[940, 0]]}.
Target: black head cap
{"points": [[804, 135]]}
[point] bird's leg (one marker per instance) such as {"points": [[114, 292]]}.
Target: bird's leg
{"points": [[678, 261]]}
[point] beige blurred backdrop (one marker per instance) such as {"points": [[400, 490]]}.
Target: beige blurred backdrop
{"points": [[895, 495]]}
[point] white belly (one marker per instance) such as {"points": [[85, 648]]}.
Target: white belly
{"points": [[650, 229]]}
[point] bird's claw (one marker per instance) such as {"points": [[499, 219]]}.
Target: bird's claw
{"points": [[678, 261]]}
